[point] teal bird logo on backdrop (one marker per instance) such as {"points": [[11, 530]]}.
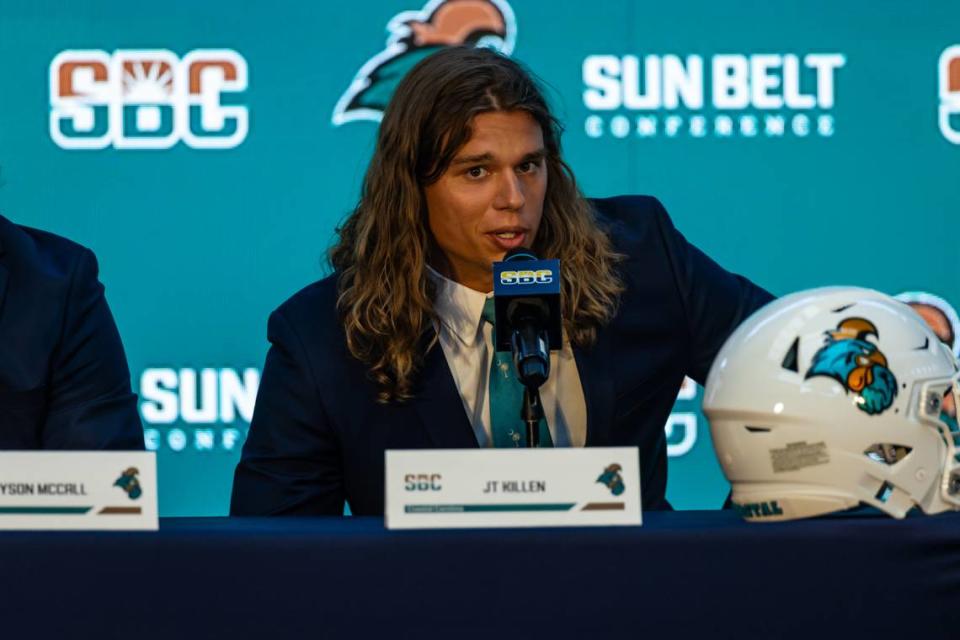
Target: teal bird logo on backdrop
{"points": [[129, 482], [852, 360], [414, 35], [612, 479]]}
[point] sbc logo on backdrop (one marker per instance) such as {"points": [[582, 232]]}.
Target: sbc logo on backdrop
{"points": [[723, 96], [414, 35], [950, 94], [147, 99]]}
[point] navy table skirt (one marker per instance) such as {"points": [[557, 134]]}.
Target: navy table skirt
{"points": [[681, 575]]}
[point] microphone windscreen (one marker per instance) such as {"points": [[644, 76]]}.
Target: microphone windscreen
{"points": [[519, 254]]}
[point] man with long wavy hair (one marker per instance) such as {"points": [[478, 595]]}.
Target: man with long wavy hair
{"points": [[392, 352]]}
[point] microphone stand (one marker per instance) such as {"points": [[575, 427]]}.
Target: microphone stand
{"points": [[532, 414], [532, 371]]}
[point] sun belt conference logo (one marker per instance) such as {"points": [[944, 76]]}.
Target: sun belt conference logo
{"points": [[208, 410], [414, 35], [950, 94], [148, 99], [201, 410], [721, 96]]}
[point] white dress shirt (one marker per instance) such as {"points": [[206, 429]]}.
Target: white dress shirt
{"points": [[467, 344]]}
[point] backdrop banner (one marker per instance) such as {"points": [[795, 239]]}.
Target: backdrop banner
{"points": [[207, 151]]}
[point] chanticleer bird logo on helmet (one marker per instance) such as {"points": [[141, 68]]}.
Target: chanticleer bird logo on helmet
{"points": [[858, 364], [414, 35]]}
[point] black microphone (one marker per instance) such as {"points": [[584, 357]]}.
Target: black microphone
{"points": [[526, 297], [527, 302]]}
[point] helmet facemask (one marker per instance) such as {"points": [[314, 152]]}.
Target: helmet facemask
{"points": [[937, 407]]}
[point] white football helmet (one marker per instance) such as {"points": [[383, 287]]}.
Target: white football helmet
{"points": [[831, 397]]}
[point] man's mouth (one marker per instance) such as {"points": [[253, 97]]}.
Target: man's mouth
{"points": [[507, 239]]}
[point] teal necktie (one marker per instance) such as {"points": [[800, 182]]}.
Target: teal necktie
{"points": [[506, 397]]}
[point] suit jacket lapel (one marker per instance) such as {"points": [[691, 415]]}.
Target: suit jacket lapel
{"points": [[439, 405], [594, 365]]}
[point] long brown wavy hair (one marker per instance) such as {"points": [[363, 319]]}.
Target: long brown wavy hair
{"points": [[386, 298]]}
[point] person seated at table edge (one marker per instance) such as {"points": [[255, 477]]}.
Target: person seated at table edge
{"points": [[64, 381], [391, 351]]}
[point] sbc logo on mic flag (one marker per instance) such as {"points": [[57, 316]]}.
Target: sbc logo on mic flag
{"points": [[950, 94], [526, 276], [147, 99]]}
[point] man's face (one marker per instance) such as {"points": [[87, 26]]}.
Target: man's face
{"points": [[490, 198]]}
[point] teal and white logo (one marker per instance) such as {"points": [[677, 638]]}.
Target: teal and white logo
{"points": [[147, 99], [950, 94], [202, 410], [719, 96], [612, 478], [130, 483], [849, 357], [414, 35]]}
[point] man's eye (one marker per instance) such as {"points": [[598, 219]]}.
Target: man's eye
{"points": [[476, 172], [528, 167]]}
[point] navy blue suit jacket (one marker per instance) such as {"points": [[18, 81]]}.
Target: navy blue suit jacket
{"points": [[318, 437], [64, 382]]}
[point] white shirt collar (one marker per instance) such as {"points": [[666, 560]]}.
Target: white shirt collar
{"points": [[460, 308]]}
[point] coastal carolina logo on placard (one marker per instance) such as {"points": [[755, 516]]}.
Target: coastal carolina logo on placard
{"points": [[950, 94], [414, 35], [859, 365], [148, 99], [612, 479], [721, 96], [130, 483]]}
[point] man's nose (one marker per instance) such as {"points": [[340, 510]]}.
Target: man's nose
{"points": [[510, 195]]}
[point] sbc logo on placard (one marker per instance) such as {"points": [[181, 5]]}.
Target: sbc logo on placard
{"points": [[147, 99], [950, 94]]}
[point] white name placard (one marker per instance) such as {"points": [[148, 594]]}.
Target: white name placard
{"points": [[78, 490], [458, 488]]}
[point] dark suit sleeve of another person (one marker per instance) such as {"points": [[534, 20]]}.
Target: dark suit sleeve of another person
{"points": [[90, 405], [291, 460], [715, 301]]}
